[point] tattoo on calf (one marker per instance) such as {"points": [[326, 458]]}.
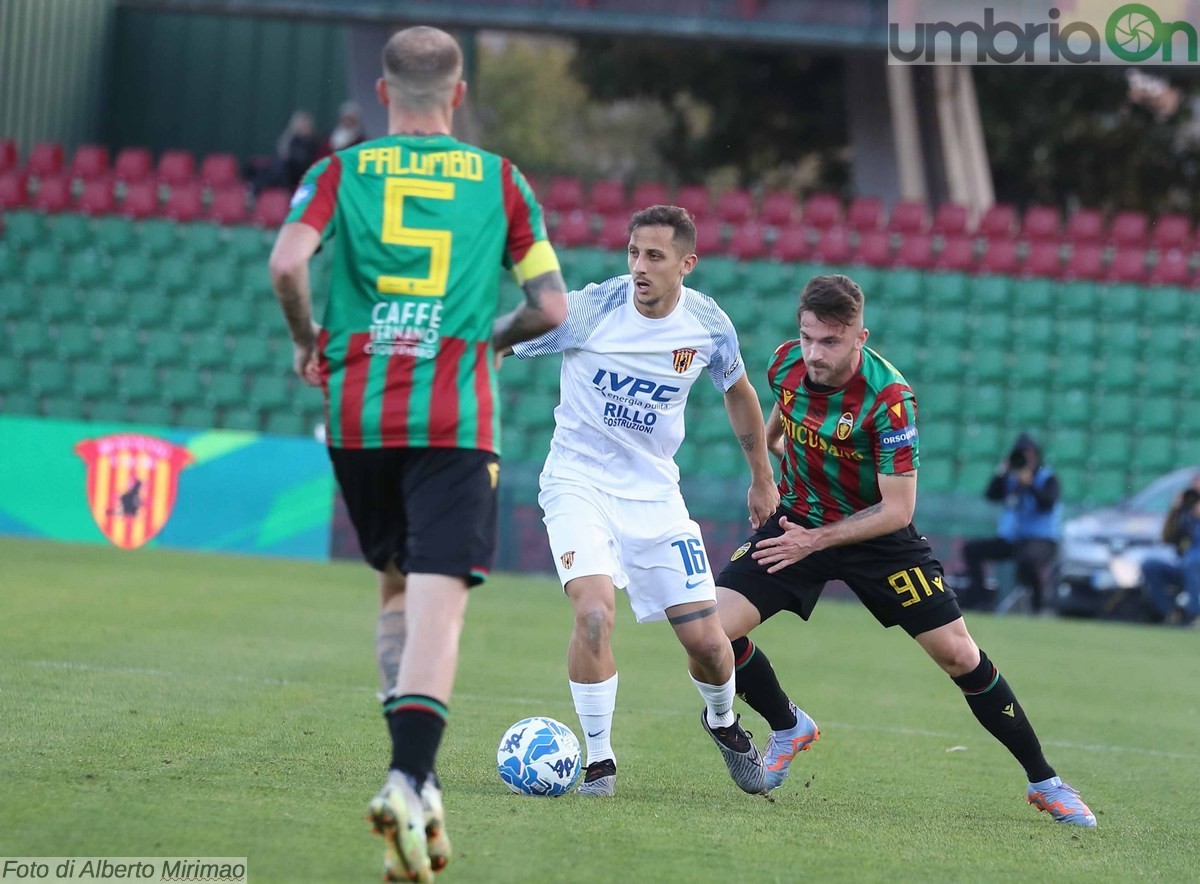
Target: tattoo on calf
{"points": [[390, 636]]}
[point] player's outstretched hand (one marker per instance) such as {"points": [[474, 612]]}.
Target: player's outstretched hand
{"points": [[791, 546], [762, 499]]}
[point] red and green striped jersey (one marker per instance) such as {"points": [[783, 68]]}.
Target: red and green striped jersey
{"points": [[838, 442], [421, 227]]}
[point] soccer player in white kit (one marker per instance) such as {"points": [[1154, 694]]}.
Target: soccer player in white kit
{"points": [[632, 348]]}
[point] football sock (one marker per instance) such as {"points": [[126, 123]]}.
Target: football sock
{"points": [[719, 700], [759, 687], [594, 704], [416, 723], [994, 704]]}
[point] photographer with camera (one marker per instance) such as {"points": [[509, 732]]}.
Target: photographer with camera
{"points": [[1028, 527], [1162, 577]]}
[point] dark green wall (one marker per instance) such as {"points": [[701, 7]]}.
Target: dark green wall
{"points": [[209, 83]]}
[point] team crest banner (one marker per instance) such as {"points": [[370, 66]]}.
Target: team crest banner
{"points": [[132, 481]]}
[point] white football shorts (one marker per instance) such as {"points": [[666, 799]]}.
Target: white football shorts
{"points": [[652, 549]]}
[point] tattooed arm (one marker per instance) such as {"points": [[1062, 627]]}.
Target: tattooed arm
{"points": [[745, 416], [545, 308]]}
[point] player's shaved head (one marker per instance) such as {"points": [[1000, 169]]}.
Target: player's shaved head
{"points": [[832, 299], [422, 65]]}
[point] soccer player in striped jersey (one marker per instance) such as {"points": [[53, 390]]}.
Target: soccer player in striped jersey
{"points": [[632, 349], [421, 224], [844, 422]]}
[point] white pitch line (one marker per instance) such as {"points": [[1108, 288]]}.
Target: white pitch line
{"points": [[542, 701]]}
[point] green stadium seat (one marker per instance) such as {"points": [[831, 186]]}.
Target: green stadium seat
{"points": [[240, 418], [1110, 450], [119, 345], [68, 230], [131, 272], [157, 236], [1070, 408], [64, 408], [225, 389], [15, 301], [221, 274], [1121, 303], [981, 442], [1121, 370], [991, 293], [48, 377], [75, 342], [1114, 411], [19, 402], [985, 404], [1067, 445], [236, 315], [947, 291], [91, 379], [1035, 298], [1029, 407], [1079, 331], [41, 265], [175, 273], [251, 354], [939, 436], [138, 384], [1035, 332], [1030, 367], [11, 374], [249, 244], [181, 386], [1075, 370], [1187, 450], [936, 474], [287, 423], [155, 413], [107, 411], [897, 286], [55, 303], [192, 310], [1153, 453], [206, 349], [1070, 481], [161, 347], [1076, 299], [198, 416], [1106, 486], [147, 308], [24, 230], [1155, 416], [1164, 306], [27, 337], [986, 366], [972, 476], [201, 238], [113, 234], [720, 277], [10, 261], [938, 401], [103, 306]]}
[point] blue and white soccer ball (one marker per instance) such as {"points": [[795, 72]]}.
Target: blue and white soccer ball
{"points": [[539, 756]]}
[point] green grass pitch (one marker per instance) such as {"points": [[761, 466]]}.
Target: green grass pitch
{"points": [[167, 704]]}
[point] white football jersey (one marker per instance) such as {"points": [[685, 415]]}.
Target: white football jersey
{"points": [[624, 385]]}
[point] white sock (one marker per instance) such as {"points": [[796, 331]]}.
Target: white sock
{"points": [[594, 704], [719, 700]]}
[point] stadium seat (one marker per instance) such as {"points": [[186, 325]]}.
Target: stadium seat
{"points": [[950, 220], [133, 164], [68, 230], [102, 306], [649, 193], [14, 192], [248, 245], [137, 384], [564, 195], [614, 234], [176, 167], [778, 209], [84, 267], [48, 377], [1085, 226], [181, 386], [97, 197], [735, 206], [75, 342], [865, 213], [1029, 405], [915, 251], [53, 194], [1172, 268], [229, 204], [240, 418], [834, 246], [1041, 223], [184, 202], [946, 291], [219, 170], [130, 272], [999, 257], [709, 236], [9, 157], [271, 207], [958, 253], [1044, 259], [874, 248], [41, 265], [748, 242], [1128, 265], [1121, 303], [45, 159], [909, 216], [792, 244], [1172, 231], [822, 211], [694, 198], [1164, 306], [191, 311], [140, 201], [998, 222], [1086, 261], [196, 416], [288, 423], [575, 229], [607, 197], [174, 273], [202, 240], [89, 162], [91, 379], [1129, 229]]}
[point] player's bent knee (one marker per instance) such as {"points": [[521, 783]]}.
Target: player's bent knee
{"points": [[594, 623]]}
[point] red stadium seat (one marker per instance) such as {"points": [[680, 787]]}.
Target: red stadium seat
{"points": [[133, 164], [650, 193], [13, 190], [778, 209], [865, 213], [958, 254], [176, 167], [998, 222], [614, 233], [822, 211], [53, 194], [1086, 261], [97, 197], [9, 158], [1129, 229], [46, 159], [1085, 226], [1172, 232], [218, 170], [184, 202], [748, 242], [607, 197], [792, 244], [141, 200], [90, 162], [915, 251], [735, 206], [1128, 265], [1044, 259], [874, 249], [694, 198], [565, 195], [574, 229], [272, 207], [1041, 223], [951, 219], [709, 236], [909, 216], [229, 205], [834, 246], [1172, 268], [999, 258]]}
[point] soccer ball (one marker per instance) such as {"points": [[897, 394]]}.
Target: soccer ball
{"points": [[539, 756]]}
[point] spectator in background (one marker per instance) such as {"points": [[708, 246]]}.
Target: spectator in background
{"points": [[1028, 527], [1181, 529], [348, 131], [296, 149]]}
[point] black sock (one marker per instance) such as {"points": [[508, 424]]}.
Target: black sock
{"points": [[996, 707], [757, 685], [416, 723]]}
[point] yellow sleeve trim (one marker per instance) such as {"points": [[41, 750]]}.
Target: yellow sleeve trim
{"points": [[538, 260]]}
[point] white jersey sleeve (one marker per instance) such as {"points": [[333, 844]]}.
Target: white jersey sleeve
{"points": [[586, 308], [725, 366]]}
